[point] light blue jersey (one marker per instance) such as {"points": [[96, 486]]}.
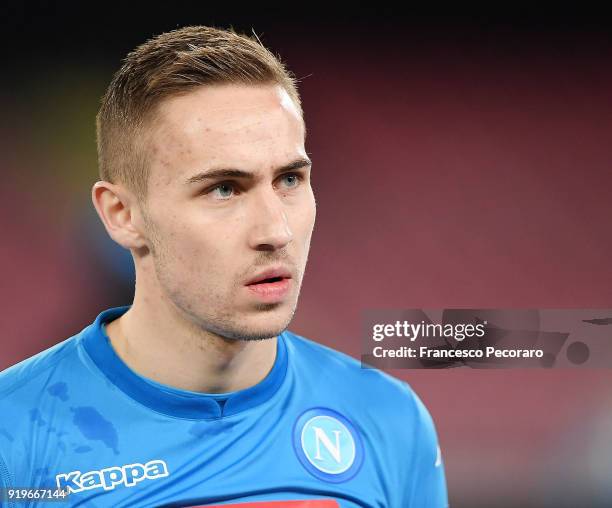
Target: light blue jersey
{"points": [[318, 431]]}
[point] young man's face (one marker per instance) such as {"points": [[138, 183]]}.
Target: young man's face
{"points": [[225, 208]]}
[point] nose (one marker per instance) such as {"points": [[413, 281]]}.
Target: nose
{"points": [[270, 229]]}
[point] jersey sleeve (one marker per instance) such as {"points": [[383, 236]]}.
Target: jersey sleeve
{"points": [[427, 479]]}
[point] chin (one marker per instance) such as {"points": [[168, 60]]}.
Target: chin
{"points": [[266, 330], [267, 322]]}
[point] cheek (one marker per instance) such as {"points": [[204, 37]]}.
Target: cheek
{"points": [[201, 250], [304, 219], [311, 209]]}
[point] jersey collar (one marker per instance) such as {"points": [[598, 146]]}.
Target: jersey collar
{"points": [[173, 401]]}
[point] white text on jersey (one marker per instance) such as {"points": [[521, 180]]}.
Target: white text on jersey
{"points": [[108, 478]]}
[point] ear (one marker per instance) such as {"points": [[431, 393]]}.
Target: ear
{"points": [[118, 210]]}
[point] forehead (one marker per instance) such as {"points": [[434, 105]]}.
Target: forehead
{"points": [[250, 126]]}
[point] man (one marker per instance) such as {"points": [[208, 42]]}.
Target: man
{"points": [[196, 394]]}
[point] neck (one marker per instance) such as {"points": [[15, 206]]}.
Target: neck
{"points": [[156, 340]]}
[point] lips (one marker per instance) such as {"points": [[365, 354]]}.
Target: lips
{"points": [[270, 276], [270, 286]]}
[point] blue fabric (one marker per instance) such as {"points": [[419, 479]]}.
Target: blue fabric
{"points": [[317, 431]]}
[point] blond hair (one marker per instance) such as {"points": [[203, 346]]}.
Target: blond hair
{"points": [[171, 64]]}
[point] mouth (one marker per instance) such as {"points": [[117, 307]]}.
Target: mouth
{"points": [[271, 285], [270, 276], [268, 280]]}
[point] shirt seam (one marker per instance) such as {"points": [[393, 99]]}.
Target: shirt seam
{"points": [[16, 385], [7, 481], [415, 464]]}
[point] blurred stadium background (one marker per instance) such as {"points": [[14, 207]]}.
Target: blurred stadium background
{"points": [[459, 161]]}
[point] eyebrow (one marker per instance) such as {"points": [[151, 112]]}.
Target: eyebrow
{"points": [[239, 173]]}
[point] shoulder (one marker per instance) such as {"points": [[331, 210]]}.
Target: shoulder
{"points": [[32, 374], [26, 391], [383, 405], [396, 427]]}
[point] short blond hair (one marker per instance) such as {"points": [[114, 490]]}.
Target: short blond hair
{"points": [[168, 65]]}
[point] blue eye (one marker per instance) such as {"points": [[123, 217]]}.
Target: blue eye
{"points": [[290, 180], [223, 191]]}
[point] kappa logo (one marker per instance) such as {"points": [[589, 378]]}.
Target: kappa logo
{"points": [[110, 477], [327, 445]]}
